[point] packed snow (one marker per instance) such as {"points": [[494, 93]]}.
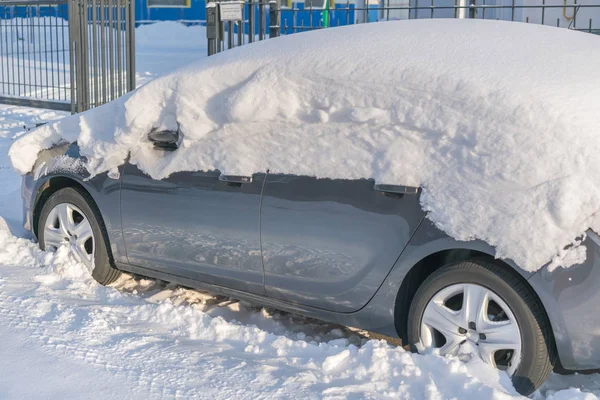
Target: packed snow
{"points": [[500, 131], [63, 336]]}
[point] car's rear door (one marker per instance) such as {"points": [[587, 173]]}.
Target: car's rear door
{"points": [[330, 243], [199, 225]]}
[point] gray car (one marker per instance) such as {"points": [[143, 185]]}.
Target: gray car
{"points": [[345, 251]]}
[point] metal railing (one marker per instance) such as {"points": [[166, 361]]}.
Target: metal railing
{"points": [[34, 54], [263, 19], [68, 55], [103, 51]]}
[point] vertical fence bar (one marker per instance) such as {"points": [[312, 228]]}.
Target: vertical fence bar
{"points": [[119, 53], [347, 12], [221, 28], [211, 27], [261, 19], [543, 11], [12, 59], [19, 82], [111, 57], [275, 19], [51, 59], [472, 10], [57, 89], [103, 49], [512, 11], [230, 41], [46, 56], [65, 50], [72, 51], [2, 50], [94, 53], [251, 21], [35, 50], [131, 46], [40, 47]]}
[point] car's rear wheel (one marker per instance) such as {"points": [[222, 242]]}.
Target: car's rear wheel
{"points": [[70, 217], [477, 308]]}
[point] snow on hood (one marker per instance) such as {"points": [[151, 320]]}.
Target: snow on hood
{"points": [[499, 123]]}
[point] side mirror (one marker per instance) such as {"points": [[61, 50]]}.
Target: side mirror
{"points": [[164, 140]]}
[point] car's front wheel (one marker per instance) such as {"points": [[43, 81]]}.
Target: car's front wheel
{"points": [[70, 217], [477, 308]]}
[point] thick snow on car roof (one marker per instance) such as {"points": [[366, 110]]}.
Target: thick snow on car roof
{"points": [[498, 122]]}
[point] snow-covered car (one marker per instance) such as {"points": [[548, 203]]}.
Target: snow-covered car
{"points": [[437, 181]]}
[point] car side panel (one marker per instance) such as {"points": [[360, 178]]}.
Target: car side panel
{"points": [[194, 225], [379, 314], [329, 243], [571, 297]]}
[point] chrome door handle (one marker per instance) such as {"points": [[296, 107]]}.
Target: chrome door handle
{"points": [[236, 179]]}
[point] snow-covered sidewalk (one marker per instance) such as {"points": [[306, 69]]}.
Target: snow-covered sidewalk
{"points": [[65, 337]]}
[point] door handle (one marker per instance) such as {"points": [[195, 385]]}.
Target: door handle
{"points": [[396, 189], [237, 180]]}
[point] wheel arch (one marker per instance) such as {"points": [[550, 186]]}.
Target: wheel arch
{"points": [[46, 189], [428, 263], [417, 274]]}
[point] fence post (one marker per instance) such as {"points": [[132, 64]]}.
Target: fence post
{"points": [[72, 12], [261, 20], [130, 31], [275, 19], [212, 31], [462, 11], [472, 9], [251, 21]]}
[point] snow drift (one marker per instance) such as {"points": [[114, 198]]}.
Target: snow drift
{"points": [[497, 121]]}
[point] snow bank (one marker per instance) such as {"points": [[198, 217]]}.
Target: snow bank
{"points": [[181, 344], [497, 121]]}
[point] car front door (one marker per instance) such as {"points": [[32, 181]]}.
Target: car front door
{"points": [[330, 243], [199, 225]]}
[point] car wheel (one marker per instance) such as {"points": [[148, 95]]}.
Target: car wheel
{"points": [[477, 308], [70, 216]]}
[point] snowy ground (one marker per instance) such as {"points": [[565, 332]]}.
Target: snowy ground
{"points": [[64, 337]]}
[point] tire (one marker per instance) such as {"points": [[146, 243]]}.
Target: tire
{"points": [[100, 262], [537, 349]]}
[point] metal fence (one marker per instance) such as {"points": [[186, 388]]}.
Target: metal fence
{"points": [[68, 55], [232, 23]]}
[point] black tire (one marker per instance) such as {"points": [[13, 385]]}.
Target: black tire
{"points": [[538, 352], [104, 272]]}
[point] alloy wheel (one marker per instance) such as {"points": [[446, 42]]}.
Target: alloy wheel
{"points": [[468, 320], [67, 224]]}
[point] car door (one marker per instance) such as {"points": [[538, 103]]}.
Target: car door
{"points": [[329, 243], [199, 225]]}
